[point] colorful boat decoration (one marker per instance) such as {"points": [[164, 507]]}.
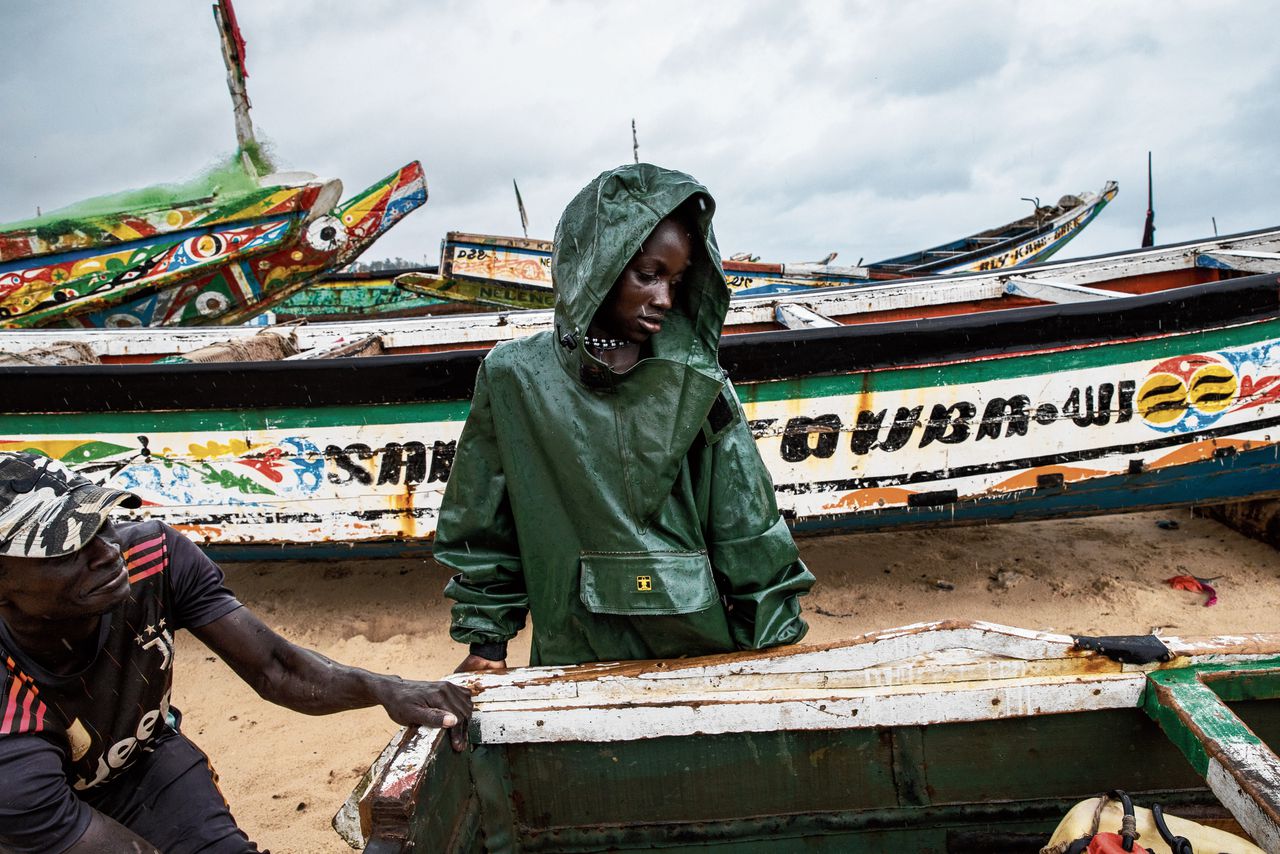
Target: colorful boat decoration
{"points": [[159, 260], [360, 296], [934, 737], [237, 291], [1137, 380], [515, 272], [59, 267]]}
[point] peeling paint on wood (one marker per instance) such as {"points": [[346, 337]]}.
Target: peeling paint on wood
{"points": [[891, 706], [1240, 768]]}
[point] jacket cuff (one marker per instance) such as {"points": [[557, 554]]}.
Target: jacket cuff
{"points": [[491, 651]]}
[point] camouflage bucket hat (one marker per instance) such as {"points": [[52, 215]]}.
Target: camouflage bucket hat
{"points": [[47, 510]]}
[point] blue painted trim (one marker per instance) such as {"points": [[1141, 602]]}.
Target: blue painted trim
{"points": [[1242, 476], [1212, 263], [170, 239]]}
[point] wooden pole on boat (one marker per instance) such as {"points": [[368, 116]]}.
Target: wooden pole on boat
{"points": [[233, 51], [1149, 229], [524, 219]]}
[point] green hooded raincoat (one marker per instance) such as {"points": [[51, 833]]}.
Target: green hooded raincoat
{"points": [[630, 513]]}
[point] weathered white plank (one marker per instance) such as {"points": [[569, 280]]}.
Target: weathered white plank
{"points": [[869, 650], [809, 269], [921, 652], [1257, 821], [925, 660], [1245, 261], [347, 820], [864, 708], [795, 316], [1060, 292], [920, 672]]}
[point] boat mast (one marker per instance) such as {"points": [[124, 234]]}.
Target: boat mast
{"points": [[1149, 228], [524, 218], [233, 55]]}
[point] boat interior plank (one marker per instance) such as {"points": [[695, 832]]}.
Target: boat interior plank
{"points": [[799, 317], [1241, 260], [1057, 292]]}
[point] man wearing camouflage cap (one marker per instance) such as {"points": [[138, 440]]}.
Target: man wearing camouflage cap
{"points": [[91, 756]]}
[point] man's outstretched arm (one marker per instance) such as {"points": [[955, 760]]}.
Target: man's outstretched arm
{"points": [[306, 681]]}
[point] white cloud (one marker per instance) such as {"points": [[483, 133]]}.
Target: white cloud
{"points": [[868, 128]]}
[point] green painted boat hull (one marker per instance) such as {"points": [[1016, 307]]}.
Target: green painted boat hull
{"points": [[936, 738], [931, 790]]}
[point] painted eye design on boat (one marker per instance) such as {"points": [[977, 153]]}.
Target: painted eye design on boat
{"points": [[326, 234], [122, 321], [206, 246], [212, 303]]}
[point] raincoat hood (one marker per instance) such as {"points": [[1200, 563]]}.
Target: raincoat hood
{"points": [[598, 234]]}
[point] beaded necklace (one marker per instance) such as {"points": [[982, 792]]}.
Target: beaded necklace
{"points": [[606, 343]]}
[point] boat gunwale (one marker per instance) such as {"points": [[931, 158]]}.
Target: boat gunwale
{"points": [[385, 800], [747, 358]]}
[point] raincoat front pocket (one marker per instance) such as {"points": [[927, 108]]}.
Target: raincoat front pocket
{"points": [[647, 583]]}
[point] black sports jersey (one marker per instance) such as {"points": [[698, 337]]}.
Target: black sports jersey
{"points": [[105, 712], [101, 719]]}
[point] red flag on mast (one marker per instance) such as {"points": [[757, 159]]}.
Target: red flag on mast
{"points": [[229, 15]]}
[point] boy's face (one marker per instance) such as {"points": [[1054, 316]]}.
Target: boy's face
{"points": [[85, 583], [644, 293]]}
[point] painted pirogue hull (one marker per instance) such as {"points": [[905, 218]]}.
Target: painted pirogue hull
{"points": [[1117, 404], [356, 296], [936, 738], [514, 272], [66, 268], [242, 289]]}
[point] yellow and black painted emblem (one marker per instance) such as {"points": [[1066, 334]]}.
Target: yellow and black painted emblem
{"points": [[644, 583]]}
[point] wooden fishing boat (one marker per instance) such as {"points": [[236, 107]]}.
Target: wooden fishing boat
{"points": [[515, 272], [943, 737], [55, 267], [235, 292], [358, 296], [1033, 238], [159, 259], [1137, 380]]}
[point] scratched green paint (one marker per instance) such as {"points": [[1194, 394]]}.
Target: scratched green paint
{"points": [[1200, 701]]}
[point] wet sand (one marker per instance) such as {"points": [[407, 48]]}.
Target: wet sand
{"points": [[285, 774]]}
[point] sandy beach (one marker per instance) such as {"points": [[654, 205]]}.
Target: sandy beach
{"points": [[285, 774]]}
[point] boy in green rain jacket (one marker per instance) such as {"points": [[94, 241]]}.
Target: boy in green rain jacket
{"points": [[606, 481]]}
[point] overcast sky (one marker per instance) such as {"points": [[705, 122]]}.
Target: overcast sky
{"points": [[865, 128]]}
